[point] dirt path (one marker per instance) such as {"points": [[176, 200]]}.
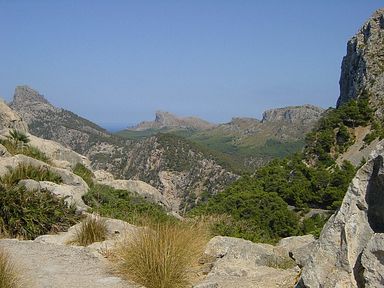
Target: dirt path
{"points": [[59, 266]]}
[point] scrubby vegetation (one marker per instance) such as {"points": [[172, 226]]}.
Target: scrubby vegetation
{"points": [[92, 229], [9, 275], [332, 135], [161, 255], [27, 171], [17, 143], [123, 205], [84, 173], [28, 214], [256, 206]]}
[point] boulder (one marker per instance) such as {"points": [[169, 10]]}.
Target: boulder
{"points": [[339, 258], [234, 262]]}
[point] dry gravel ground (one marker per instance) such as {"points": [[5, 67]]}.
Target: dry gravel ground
{"points": [[58, 266]]}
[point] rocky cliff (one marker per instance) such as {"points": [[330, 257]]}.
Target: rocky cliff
{"points": [[362, 70], [299, 115], [168, 120], [179, 170]]}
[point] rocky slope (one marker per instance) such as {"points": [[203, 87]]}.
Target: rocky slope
{"points": [[362, 76], [179, 170], [168, 120]]}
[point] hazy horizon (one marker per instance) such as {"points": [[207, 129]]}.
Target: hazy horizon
{"points": [[119, 63]]}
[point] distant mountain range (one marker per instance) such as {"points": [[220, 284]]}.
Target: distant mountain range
{"points": [[248, 142]]}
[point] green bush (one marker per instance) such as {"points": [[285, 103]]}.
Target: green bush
{"points": [[123, 205], [84, 173], [27, 171], [314, 224], [28, 214]]}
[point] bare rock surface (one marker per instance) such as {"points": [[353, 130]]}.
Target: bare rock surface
{"points": [[57, 266], [239, 263], [9, 119], [350, 235]]}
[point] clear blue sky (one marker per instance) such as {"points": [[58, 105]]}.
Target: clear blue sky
{"points": [[120, 61]]}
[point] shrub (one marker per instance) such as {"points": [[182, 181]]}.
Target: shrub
{"points": [[18, 137], [84, 173], [26, 150], [161, 256], [28, 171], [92, 229], [28, 214], [314, 224], [9, 277], [123, 205]]}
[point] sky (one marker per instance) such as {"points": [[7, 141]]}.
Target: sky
{"points": [[117, 62]]}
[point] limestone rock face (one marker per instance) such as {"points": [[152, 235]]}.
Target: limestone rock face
{"points": [[10, 119], [339, 258], [300, 115], [362, 70]]}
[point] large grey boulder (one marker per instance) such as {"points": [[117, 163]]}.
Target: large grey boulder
{"points": [[233, 262], [9, 119], [339, 258]]}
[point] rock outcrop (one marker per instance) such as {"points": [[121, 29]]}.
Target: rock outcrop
{"points": [[299, 115], [362, 70], [232, 262], [10, 120], [349, 252], [168, 120]]}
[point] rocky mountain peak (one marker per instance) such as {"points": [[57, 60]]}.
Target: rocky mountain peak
{"points": [[26, 94], [362, 69], [169, 120], [293, 114]]}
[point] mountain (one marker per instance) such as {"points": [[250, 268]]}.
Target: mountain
{"points": [[247, 142], [168, 120], [178, 169]]}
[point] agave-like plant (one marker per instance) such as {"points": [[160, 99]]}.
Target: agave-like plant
{"points": [[18, 138]]}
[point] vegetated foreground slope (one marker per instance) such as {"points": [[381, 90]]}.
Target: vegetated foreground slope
{"points": [[246, 142], [177, 168], [313, 179]]}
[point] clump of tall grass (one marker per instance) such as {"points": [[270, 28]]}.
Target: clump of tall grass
{"points": [[27, 171], [92, 229], [161, 255], [9, 277]]}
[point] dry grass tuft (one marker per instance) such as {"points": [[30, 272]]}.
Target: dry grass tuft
{"points": [[9, 277], [92, 229], [163, 254]]}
